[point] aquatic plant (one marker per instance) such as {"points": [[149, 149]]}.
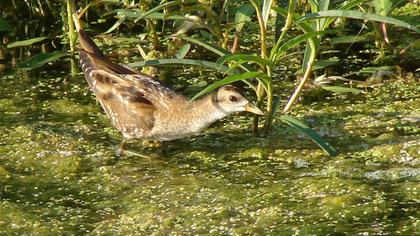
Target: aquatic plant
{"points": [[220, 24]]}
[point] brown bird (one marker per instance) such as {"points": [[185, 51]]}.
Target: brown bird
{"points": [[141, 107]]}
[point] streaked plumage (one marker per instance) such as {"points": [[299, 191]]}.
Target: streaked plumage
{"points": [[141, 107]]}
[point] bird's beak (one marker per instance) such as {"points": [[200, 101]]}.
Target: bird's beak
{"points": [[253, 109]]}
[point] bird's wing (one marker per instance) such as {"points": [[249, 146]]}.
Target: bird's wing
{"points": [[157, 93], [122, 101]]}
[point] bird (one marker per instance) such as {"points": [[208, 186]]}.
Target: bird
{"points": [[143, 108]]}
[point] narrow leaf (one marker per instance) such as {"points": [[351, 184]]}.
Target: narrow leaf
{"points": [[114, 26], [136, 13], [26, 42], [182, 52], [42, 59], [244, 57], [347, 5], [348, 39], [216, 49], [323, 6], [300, 126], [175, 61], [266, 11], [339, 89], [243, 15], [229, 80], [295, 41], [163, 6], [358, 15], [321, 64]]}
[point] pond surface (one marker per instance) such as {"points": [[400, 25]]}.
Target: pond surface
{"points": [[59, 173]]}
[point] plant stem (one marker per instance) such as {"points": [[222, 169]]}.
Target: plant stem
{"points": [[269, 115], [299, 88], [71, 34], [262, 30], [260, 87], [289, 19], [287, 25], [153, 33]]}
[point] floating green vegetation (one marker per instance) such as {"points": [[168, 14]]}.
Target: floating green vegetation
{"points": [[59, 173]]}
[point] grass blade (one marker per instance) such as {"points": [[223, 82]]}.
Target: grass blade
{"points": [[182, 52], [163, 6], [266, 11], [339, 89], [26, 42], [295, 41], [41, 59], [216, 49], [176, 61], [358, 15], [243, 15], [244, 57], [303, 128], [114, 26], [229, 80]]}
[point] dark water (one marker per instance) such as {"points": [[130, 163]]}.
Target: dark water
{"points": [[59, 173]]}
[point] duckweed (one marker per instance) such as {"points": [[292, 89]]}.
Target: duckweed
{"points": [[59, 174]]}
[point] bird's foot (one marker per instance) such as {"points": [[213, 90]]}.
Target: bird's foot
{"points": [[122, 151], [151, 144]]}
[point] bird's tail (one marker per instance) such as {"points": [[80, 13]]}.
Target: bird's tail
{"points": [[92, 58]]}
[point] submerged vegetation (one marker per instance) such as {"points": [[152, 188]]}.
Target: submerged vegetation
{"points": [[347, 69]]}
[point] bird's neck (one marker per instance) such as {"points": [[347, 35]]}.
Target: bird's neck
{"points": [[206, 111]]}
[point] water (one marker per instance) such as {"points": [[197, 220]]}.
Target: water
{"points": [[59, 173]]}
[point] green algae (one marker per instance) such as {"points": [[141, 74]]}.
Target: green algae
{"points": [[59, 174]]}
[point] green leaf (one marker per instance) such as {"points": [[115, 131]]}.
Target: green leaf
{"points": [[321, 64], [266, 11], [229, 80], [41, 59], [348, 39], [371, 70], [135, 13], [323, 6], [347, 5], [243, 15], [110, 1], [175, 61], [382, 7], [339, 89], [26, 42], [163, 6], [357, 15], [276, 105], [216, 49], [115, 25], [300, 126], [182, 52], [244, 57], [219, 51], [295, 41], [4, 25]]}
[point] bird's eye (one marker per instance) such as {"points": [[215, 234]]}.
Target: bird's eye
{"points": [[233, 98]]}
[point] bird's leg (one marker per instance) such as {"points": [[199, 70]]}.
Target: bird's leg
{"points": [[121, 150]]}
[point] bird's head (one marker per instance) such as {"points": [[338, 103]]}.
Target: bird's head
{"points": [[231, 100]]}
